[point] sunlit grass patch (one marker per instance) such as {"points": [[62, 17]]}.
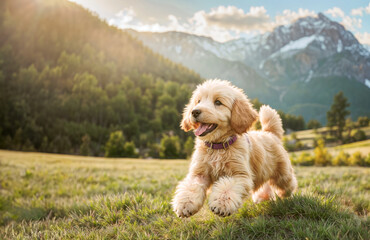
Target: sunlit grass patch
{"points": [[68, 197]]}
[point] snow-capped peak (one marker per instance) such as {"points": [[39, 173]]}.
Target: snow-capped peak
{"points": [[307, 41]]}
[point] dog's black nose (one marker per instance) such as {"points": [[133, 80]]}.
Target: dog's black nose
{"points": [[196, 113]]}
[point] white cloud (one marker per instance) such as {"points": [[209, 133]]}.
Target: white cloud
{"points": [[199, 25], [256, 19], [126, 18], [174, 24], [221, 20], [350, 23], [359, 11], [363, 38], [222, 23], [228, 22], [289, 16], [335, 12], [123, 17], [236, 19]]}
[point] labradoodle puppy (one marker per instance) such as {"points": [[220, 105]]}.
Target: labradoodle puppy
{"points": [[228, 157]]}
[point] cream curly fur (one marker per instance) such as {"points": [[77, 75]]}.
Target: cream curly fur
{"points": [[256, 163]]}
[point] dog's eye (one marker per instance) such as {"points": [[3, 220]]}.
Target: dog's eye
{"points": [[218, 103], [198, 101]]}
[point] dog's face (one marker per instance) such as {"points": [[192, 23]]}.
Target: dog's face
{"points": [[218, 110]]}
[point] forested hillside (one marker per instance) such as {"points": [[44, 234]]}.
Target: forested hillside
{"points": [[65, 76], [68, 80]]}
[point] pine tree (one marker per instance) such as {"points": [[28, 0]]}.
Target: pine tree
{"points": [[85, 145], [336, 116]]}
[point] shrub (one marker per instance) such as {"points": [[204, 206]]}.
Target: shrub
{"points": [[293, 159], [356, 159], [313, 124], [316, 140], [347, 139], [298, 145], [115, 147], [287, 145], [189, 146], [130, 150], [292, 145], [61, 144], [28, 146], [294, 136], [322, 156], [170, 147], [154, 150], [363, 121], [358, 135], [367, 161], [341, 159], [305, 159]]}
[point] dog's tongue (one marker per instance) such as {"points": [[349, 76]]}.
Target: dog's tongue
{"points": [[201, 129]]}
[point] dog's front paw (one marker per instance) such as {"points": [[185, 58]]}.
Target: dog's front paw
{"points": [[185, 208], [189, 197], [225, 198], [223, 205]]}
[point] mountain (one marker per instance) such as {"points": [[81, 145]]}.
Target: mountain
{"points": [[67, 78], [209, 58], [318, 47], [280, 67]]}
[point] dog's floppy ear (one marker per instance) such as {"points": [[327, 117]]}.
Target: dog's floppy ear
{"points": [[243, 115], [186, 124]]}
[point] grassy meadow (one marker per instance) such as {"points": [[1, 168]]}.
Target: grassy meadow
{"points": [[307, 138], [50, 196]]}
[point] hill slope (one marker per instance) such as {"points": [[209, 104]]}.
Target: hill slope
{"points": [[65, 73]]}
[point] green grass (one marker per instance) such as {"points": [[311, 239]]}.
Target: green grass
{"points": [[307, 137], [365, 143], [350, 148], [49, 196], [310, 134]]}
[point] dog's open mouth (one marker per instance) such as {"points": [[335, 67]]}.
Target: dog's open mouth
{"points": [[204, 129]]}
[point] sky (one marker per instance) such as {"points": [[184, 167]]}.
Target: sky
{"points": [[227, 20]]}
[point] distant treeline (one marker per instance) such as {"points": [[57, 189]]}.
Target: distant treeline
{"points": [[68, 81]]}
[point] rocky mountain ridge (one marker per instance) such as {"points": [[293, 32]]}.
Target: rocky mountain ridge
{"points": [[269, 66]]}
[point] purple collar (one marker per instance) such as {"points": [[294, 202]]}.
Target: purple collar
{"points": [[223, 145]]}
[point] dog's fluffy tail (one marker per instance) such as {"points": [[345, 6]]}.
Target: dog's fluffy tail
{"points": [[271, 121]]}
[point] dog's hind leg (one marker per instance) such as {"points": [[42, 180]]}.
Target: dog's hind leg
{"points": [[264, 193], [284, 181]]}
